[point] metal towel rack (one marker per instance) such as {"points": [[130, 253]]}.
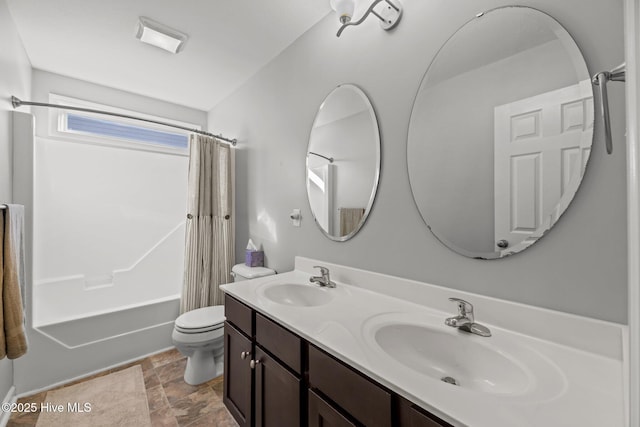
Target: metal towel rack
{"points": [[601, 79]]}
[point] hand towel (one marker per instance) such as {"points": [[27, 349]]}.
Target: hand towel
{"points": [[13, 340]]}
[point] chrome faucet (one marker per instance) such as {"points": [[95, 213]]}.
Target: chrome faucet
{"points": [[465, 321], [324, 279]]}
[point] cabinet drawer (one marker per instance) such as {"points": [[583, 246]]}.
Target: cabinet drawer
{"points": [[283, 344], [413, 416], [364, 400], [322, 414], [239, 315]]}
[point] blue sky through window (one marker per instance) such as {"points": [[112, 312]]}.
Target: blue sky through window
{"points": [[112, 129]]}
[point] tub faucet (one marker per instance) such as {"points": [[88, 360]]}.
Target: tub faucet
{"points": [[323, 279], [465, 321]]}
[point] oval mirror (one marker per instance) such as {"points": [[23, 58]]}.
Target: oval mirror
{"points": [[500, 132], [343, 162]]}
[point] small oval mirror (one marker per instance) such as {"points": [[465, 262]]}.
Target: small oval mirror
{"points": [[343, 162], [500, 132]]}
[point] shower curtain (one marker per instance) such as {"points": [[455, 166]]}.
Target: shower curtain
{"points": [[209, 235]]}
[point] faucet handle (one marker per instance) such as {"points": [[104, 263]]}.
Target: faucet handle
{"points": [[465, 308], [323, 270]]}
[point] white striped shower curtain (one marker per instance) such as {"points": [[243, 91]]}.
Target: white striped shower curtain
{"points": [[209, 234]]}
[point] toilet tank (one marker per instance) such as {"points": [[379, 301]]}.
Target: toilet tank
{"points": [[242, 272]]}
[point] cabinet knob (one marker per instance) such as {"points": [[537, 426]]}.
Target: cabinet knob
{"points": [[254, 363], [244, 355]]}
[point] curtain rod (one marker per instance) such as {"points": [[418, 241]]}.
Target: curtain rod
{"points": [[16, 102], [330, 159]]}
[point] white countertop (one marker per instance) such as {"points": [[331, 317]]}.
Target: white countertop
{"points": [[582, 381]]}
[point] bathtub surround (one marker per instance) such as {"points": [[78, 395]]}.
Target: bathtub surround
{"points": [[209, 236], [57, 355], [15, 78], [579, 267]]}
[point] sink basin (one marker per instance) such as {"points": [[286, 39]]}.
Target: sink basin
{"points": [[419, 345], [299, 295], [452, 358]]}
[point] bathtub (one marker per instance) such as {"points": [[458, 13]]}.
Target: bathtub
{"points": [[89, 330]]}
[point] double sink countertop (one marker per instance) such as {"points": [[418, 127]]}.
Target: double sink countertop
{"points": [[539, 367]]}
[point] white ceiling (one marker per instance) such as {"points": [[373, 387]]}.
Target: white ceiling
{"points": [[229, 41]]}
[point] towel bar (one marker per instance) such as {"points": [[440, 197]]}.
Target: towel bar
{"points": [[601, 79]]}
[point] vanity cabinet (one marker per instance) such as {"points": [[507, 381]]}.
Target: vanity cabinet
{"points": [[274, 378], [263, 384]]}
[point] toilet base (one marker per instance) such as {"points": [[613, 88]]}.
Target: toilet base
{"points": [[202, 367]]}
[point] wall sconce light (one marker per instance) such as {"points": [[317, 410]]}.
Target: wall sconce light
{"points": [[389, 15], [159, 35]]}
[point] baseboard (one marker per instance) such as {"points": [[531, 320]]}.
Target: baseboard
{"points": [[8, 399]]}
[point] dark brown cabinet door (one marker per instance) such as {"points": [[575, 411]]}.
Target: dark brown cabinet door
{"points": [[321, 414], [237, 375], [277, 393], [354, 393]]}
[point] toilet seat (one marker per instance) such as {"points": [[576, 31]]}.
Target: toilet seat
{"points": [[201, 320], [198, 340], [199, 330]]}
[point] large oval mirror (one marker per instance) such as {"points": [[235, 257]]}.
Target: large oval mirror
{"points": [[500, 132], [343, 162]]}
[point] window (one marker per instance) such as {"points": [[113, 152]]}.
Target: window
{"points": [[80, 126], [109, 128]]}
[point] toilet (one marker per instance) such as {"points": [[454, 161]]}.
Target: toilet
{"points": [[199, 333]]}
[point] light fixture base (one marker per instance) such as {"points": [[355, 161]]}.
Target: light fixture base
{"points": [[390, 16]]}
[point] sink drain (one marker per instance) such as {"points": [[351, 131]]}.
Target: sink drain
{"points": [[449, 380]]}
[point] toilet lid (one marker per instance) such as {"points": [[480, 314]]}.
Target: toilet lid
{"points": [[201, 317]]}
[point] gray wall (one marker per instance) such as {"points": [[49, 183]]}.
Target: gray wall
{"points": [[15, 79], [579, 267]]}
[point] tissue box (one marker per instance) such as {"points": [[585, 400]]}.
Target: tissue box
{"points": [[253, 258]]}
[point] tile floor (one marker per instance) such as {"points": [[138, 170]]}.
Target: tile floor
{"points": [[172, 402]]}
